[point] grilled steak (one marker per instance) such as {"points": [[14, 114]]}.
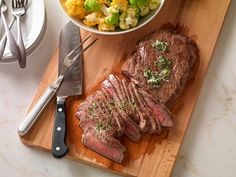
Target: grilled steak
{"points": [[156, 74], [119, 108], [166, 47], [103, 144]]}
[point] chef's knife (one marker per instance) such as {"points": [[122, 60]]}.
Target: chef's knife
{"points": [[72, 85]]}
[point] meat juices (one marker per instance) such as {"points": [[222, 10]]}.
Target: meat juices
{"points": [[134, 106]]}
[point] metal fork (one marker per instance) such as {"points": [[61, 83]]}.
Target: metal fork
{"points": [[32, 116], [74, 54], [12, 43], [18, 10]]}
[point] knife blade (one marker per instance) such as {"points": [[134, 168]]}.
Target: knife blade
{"points": [[72, 85]]}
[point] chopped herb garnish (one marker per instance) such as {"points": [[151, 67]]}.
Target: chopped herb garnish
{"points": [[112, 103], [152, 77], [156, 78], [122, 104], [163, 63], [147, 73], [133, 106], [103, 126], [100, 126], [164, 74], [90, 110], [92, 107], [160, 46]]}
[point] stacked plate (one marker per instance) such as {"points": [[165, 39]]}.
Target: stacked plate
{"points": [[33, 28]]}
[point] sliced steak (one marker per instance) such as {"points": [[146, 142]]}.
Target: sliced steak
{"points": [[108, 104], [144, 122], [155, 125], [132, 104], [105, 145], [96, 113], [132, 130], [129, 106], [157, 71], [183, 54], [160, 111]]}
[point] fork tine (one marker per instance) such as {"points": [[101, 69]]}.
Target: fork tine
{"points": [[78, 46], [83, 50], [19, 3], [16, 3], [13, 4], [86, 48], [68, 62], [22, 3]]}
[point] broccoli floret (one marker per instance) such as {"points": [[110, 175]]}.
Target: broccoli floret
{"points": [[92, 5], [138, 3], [112, 15], [113, 19]]}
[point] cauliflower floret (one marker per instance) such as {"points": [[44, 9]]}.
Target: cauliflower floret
{"points": [[104, 26], [92, 5], [112, 15], [144, 11], [128, 18], [75, 8], [109, 10], [154, 4], [93, 18], [120, 4]]}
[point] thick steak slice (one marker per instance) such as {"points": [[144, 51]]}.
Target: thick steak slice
{"points": [[181, 51], [132, 130], [115, 125], [105, 145], [162, 114], [107, 103], [155, 125], [96, 113], [129, 106], [144, 122], [132, 104]]}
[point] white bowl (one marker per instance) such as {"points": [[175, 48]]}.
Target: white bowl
{"points": [[142, 21]]}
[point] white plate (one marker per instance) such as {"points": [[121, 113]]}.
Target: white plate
{"points": [[33, 26]]}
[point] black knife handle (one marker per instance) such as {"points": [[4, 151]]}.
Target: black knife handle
{"points": [[59, 148]]}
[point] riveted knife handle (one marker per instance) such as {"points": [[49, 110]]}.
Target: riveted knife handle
{"points": [[59, 148]]}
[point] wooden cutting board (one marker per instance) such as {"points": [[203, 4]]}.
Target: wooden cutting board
{"points": [[153, 155]]}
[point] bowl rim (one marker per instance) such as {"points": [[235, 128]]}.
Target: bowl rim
{"points": [[90, 29]]}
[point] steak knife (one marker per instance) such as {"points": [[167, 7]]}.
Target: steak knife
{"points": [[72, 85]]}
